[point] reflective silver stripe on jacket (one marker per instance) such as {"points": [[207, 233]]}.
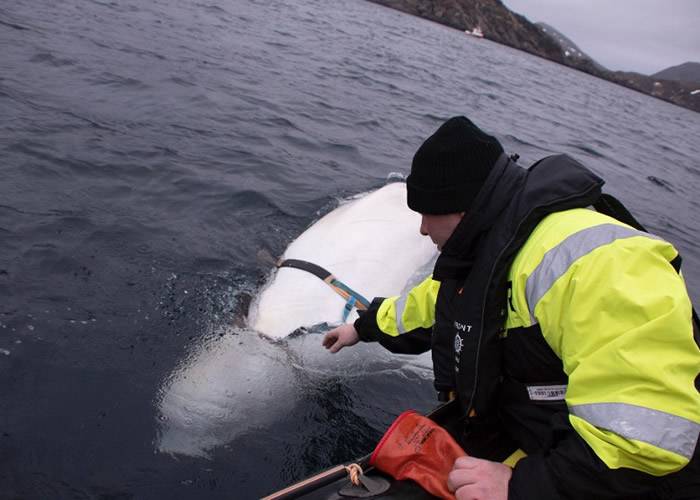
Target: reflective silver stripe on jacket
{"points": [[663, 430], [400, 305], [557, 260]]}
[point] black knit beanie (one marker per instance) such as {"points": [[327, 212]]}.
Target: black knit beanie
{"points": [[450, 167]]}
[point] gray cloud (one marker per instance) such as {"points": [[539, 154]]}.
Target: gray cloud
{"points": [[630, 35]]}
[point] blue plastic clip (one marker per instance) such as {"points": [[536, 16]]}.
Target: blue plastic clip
{"points": [[348, 307]]}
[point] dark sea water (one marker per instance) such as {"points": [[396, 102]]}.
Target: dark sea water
{"points": [[149, 149]]}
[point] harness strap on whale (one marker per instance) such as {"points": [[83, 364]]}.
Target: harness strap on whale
{"points": [[352, 298]]}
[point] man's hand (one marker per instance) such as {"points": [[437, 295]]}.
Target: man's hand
{"points": [[344, 335], [475, 479]]}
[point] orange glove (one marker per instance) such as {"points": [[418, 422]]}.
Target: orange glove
{"points": [[417, 448]]}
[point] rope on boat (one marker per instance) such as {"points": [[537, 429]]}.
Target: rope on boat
{"points": [[354, 471]]}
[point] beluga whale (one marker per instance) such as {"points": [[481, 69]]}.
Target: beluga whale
{"points": [[371, 243], [369, 246]]}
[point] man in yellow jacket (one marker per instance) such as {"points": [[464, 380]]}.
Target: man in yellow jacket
{"points": [[564, 331]]}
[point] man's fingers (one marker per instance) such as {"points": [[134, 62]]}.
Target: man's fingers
{"points": [[460, 477], [329, 339], [475, 478], [342, 336], [463, 472], [333, 341]]}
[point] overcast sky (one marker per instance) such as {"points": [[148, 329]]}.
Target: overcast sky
{"points": [[625, 35]]}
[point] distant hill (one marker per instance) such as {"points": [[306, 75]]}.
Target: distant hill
{"points": [[496, 21], [686, 72], [500, 24], [571, 51]]}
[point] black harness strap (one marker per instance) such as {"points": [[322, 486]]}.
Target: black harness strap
{"points": [[309, 267], [353, 298]]}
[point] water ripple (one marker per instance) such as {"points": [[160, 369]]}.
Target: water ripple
{"points": [[146, 140]]}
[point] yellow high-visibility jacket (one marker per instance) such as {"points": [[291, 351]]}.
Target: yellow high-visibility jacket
{"points": [[617, 316]]}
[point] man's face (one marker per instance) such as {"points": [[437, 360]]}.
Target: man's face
{"points": [[439, 227]]}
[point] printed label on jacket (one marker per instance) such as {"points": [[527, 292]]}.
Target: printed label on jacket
{"points": [[462, 327], [546, 392]]}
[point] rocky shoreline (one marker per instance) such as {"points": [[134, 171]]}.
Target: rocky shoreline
{"points": [[501, 25]]}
